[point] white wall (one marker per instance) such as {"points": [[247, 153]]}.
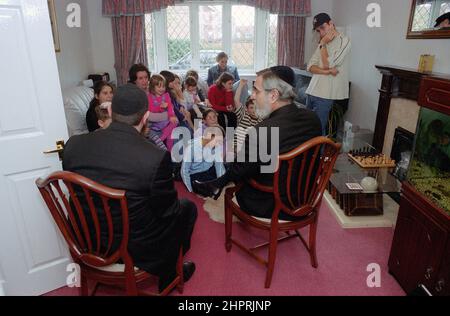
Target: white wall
{"points": [[75, 59], [101, 40], [381, 46]]}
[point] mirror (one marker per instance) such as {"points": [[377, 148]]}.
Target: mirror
{"points": [[429, 19]]}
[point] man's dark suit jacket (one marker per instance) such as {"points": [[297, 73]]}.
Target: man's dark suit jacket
{"points": [[296, 126], [120, 158]]}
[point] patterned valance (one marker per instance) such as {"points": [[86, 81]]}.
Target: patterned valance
{"points": [[282, 7], [116, 8]]}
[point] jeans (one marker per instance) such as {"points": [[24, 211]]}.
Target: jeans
{"points": [[322, 108]]}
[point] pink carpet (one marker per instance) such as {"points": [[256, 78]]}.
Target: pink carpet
{"points": [[343, 257]]}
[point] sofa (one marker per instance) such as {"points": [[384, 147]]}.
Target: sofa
{"points": [[76, 104]]}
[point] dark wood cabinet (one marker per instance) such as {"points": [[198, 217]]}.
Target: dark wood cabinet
{"points": [[420, 252]]}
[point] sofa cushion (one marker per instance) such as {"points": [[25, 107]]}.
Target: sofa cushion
{"points": [[76, 104]]}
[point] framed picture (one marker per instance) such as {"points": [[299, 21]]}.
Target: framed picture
{"points": [[53, 21]]}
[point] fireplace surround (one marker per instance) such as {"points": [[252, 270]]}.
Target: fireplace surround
{"points": [[397, 82]]}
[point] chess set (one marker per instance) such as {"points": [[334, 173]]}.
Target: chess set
{"points": [[368, 157]]}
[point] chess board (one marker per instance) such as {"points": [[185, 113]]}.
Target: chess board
{"points": [[372, 160]]}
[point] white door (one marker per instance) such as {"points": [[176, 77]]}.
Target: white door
{"points": [[33, 258]]}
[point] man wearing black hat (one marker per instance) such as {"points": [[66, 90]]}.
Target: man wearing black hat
{"points": [[121, 158], [443, 21], [274, 98], [330, 68]]}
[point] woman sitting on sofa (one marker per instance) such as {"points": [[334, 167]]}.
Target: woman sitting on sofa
{"points": [[103, 92]]}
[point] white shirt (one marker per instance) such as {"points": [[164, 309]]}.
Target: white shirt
{"points": [[328, 86]]}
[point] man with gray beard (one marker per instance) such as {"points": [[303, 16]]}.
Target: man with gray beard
{"points": [[284, 123]]}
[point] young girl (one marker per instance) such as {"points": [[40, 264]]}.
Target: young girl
{"points": [[246, 116], [173, 86], [203, 160], [191, 97], [202, 86], [220, 96], [158, 102], [103, 92]]}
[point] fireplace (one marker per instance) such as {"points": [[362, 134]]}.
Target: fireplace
{"points": [[398, 84], [402, 148], [401, 151]]}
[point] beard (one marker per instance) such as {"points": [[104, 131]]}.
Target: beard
{"points": [[264, 111]]}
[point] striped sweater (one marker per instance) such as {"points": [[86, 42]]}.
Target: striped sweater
{"points": [[245, 122]]}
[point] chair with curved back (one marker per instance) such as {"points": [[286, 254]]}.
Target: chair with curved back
{"points": [[298, 185], [90, 233]]}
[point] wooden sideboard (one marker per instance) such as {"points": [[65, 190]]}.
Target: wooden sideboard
{"points": [[420, 252]]}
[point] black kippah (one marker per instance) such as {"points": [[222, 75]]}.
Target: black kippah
{"points": [[285, 73], [128, 100]]}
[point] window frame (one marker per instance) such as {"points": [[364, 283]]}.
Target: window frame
{"points": [[161, 58]]}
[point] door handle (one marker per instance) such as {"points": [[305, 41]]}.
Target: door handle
{"points": [[59, 149]]}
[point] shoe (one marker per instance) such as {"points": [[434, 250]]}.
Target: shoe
{"points": [[209, 188], [188, 271]]}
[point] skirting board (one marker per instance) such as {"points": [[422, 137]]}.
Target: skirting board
{"points": [[388, 219]]}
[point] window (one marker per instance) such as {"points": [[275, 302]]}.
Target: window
{"points": [[445, 7], [149, 41], [272, 44], [243, 36], [427, 13], [210, 20], [178, 38], [210, 37], [190, 35]]}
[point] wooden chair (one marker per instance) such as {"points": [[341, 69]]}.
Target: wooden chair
{"points": [[302, 175], [83, 233]]}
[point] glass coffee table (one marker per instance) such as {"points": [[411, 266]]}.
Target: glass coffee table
{"points": [[360, 202]]}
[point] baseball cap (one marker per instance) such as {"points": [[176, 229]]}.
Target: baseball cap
{"points": [[320, 19]]}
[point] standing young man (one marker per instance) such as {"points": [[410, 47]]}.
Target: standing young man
{"points": [[330, 68]]}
